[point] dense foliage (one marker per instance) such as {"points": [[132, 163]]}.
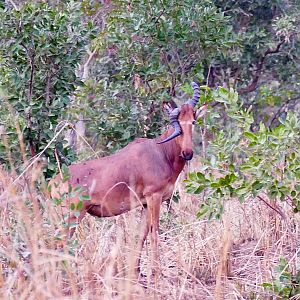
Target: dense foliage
{"points": [[147, 49], [246, 164], [40, 48], [146, 52]]}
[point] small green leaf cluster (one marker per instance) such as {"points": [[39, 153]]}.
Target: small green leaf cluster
{"points": [[243, 163], [285, 284], [65, 198]]}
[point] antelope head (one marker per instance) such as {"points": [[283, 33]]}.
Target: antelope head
{"points": [[182, 119]]}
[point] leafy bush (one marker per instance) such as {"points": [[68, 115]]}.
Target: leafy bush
{"points": [[146, 52], [40, 49], [242, 163], [285, 284]]}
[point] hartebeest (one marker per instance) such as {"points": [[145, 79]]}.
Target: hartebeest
{"points": [[141, 174]]}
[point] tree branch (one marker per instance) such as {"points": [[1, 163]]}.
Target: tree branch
{"points": [[48, 85], [253, 85], [273, 207], [283, 108], [29, 98], [13, 4], [86, 67]]}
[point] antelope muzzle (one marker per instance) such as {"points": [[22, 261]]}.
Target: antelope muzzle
{"points": [[187, 155]]}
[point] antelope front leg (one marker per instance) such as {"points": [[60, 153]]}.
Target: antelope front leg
{"points": [[153, 204], [142, 237]]}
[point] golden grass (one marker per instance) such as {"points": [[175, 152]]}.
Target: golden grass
{"points": [[229, 259]]}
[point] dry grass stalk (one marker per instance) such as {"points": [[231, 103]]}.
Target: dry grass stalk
{"points": [[97, 262], [224, 264]]}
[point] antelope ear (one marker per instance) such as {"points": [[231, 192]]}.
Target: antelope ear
{"points": [[201, 111], [172, 104], [169, 106]]}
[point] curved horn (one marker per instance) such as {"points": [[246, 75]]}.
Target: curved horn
{"points": [[175, 124], [196, 95]]}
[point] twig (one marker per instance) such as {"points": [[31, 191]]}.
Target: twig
{"points": [[40, 154], [86, 65], [58, 164], [282, 108], [277, 209], [81, 136], [160, 14], [30, 87], [13, 4], [48, 85], [203, 130], [36, 158]]}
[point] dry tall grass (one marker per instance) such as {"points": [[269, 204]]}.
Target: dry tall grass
{"points": [[198, 259]]}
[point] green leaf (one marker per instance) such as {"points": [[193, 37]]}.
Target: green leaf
{"points": [[199, 189], [215, 185], [242, 191], [223, 95], [267, 285], [84, 197], [79, 205], [202, 212], [257, 185], [246, 167], [251, 136], [200, 177], [192, 176]]}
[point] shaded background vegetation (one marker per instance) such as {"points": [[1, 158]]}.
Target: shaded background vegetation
{"points": [[111, 64]]}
